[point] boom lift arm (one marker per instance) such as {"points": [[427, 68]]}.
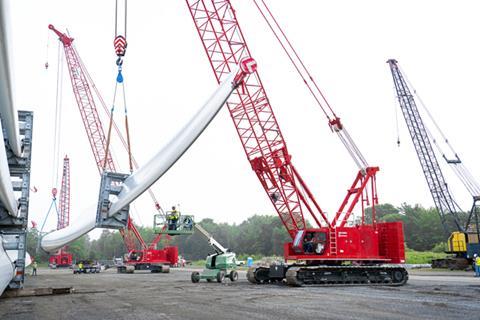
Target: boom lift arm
{"points": [[219, 265], [211, 241]]}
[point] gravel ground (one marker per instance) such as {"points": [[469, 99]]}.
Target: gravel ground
{"points": [[108, 295]]}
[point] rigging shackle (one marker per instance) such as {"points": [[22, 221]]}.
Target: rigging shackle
{"points": [[119, 63]]}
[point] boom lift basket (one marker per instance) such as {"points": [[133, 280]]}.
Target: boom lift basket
{"points": [[162, 224]]}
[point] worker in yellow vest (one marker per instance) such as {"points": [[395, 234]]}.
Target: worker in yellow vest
{"points": [[34, 268], [476, 264], [173, 217]]}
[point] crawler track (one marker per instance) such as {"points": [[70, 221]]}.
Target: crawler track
{"points": [[384, 275]]}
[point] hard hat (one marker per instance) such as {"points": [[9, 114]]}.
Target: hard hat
{"points": [[475, 255]]}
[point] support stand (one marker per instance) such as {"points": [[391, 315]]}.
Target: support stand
{"points": [[13, 230]]}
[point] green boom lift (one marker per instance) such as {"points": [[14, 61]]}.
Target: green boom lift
{"points": [[219, 265]]}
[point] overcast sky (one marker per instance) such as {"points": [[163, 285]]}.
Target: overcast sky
{"points": [[168, 77]]}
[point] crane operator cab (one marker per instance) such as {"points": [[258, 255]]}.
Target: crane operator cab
{"points": [[310, 242], [134, 256], [173, 223]]}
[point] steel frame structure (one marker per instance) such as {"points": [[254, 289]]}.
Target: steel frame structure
{"points": [[14, 229], [444, 202]]}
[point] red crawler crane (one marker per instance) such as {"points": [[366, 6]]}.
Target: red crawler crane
{"points": [[63, 258], [146, 256], [336, 251]]}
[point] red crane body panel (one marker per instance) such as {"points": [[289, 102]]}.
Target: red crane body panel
{"points": [[382, 243], [62, 259], [166, 255]]}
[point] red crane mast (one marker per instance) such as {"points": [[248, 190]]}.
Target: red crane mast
{"points": [[86, 103], [251, 112], [64, 214], [63, 258], [332, 241]]}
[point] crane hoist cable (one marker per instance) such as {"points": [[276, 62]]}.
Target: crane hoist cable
{"points": [[333, 120], [53, 204], [56, 135], [120, 41], [46, 50], [158, 207], [300, 69], [109, 134], [58, 115], [395, 110], [120, 45], [455, 163]]}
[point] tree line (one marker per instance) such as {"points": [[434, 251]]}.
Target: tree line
{"points": [[262, 235]]}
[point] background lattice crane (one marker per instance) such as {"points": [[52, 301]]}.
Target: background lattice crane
{"points": [[464, 241], [63, 258]]}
